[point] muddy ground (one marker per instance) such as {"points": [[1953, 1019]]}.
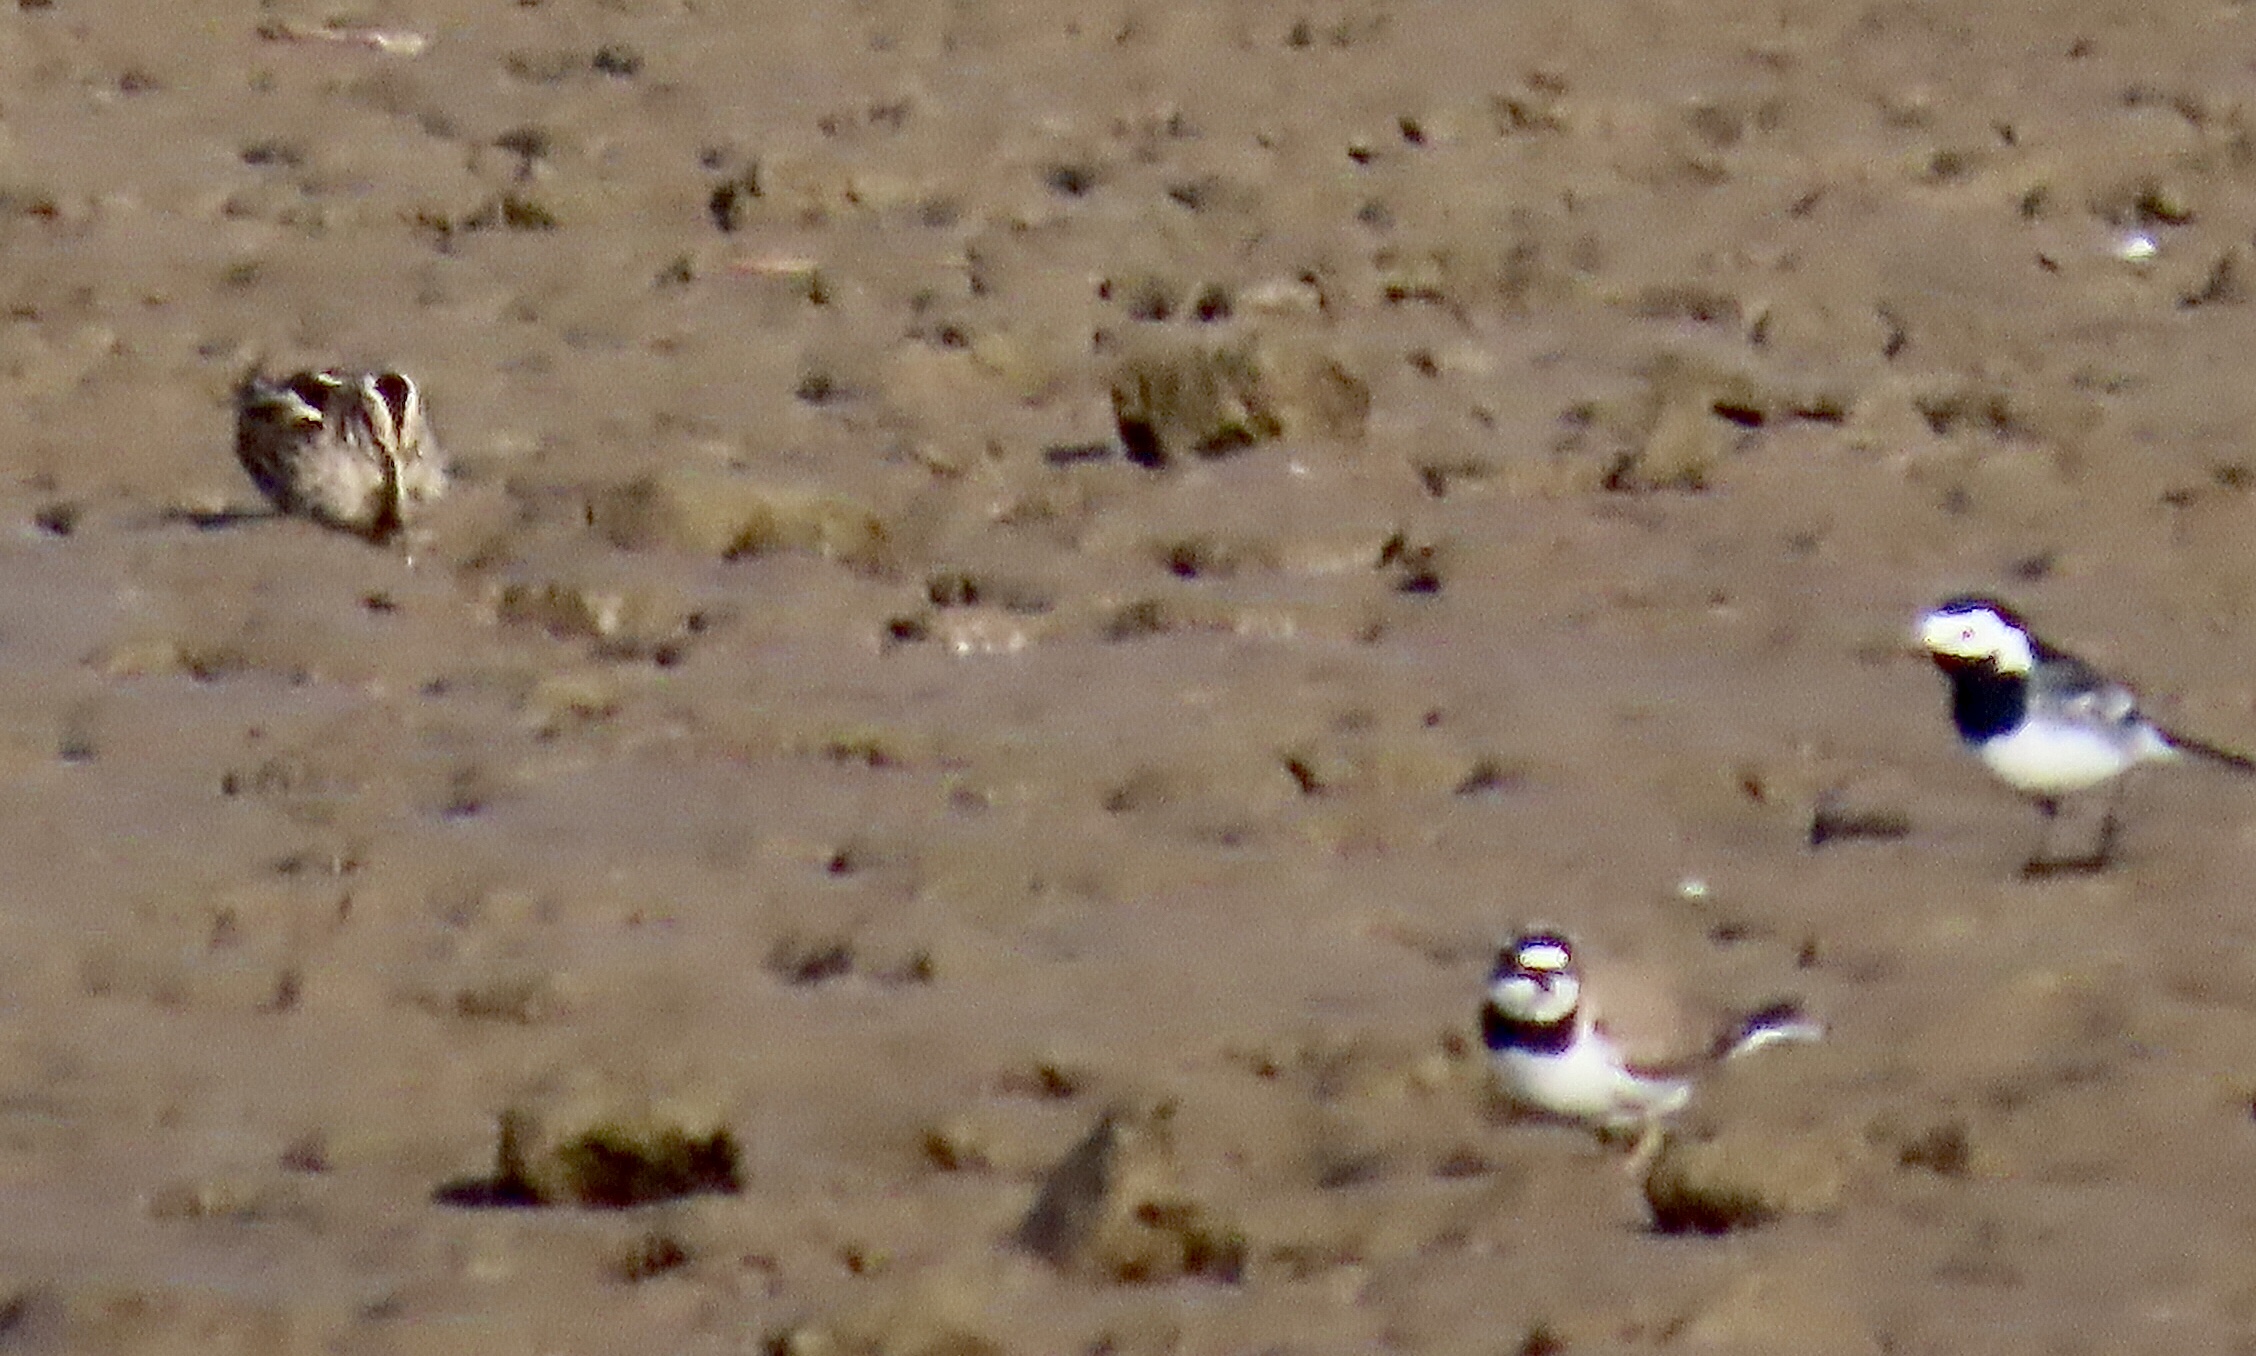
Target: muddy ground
{"points": [[1012, 561]]}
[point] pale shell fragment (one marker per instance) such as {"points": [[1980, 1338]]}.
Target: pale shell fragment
{"points": [[2136, 247], [403, 42], [969, 632]]}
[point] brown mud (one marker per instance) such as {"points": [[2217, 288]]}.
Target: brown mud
{"points": [[1021, 564]]}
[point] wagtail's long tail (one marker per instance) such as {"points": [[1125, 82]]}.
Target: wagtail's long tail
{"points": [[2210, 753]]}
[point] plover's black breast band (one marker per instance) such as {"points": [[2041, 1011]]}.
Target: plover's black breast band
{"points": [[1499, 1032]]}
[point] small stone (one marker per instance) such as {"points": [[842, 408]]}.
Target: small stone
{"points": [[203, 1199], [1114, 1209], [982, 631], [957, 1145], [593, 1141], [563, 699], [143, 657], [805, 1339], [717, 513], [1174, 399], [1283, 296], [1766, 1312], [517, 997], [1837, 818], [625, 618], [1743, 1178], [1677, 432], [1946, 1146], [1032, 366]]}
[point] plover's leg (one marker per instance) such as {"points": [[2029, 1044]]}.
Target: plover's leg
{"points": [[1650, 1138]]}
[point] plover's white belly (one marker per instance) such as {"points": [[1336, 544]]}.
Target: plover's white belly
{"points": [[1586, 1082], [2055, 760]]}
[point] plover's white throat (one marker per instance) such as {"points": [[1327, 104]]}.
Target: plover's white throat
{"points": [[2048, 724], [1554, 1057], [351, 450]]}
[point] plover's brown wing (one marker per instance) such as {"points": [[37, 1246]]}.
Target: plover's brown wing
{"points": [[1645, 1008], [1781, 1023], [1677, 1070]]}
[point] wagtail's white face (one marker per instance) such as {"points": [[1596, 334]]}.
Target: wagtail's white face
{"points": [[1536, 981], [1977, 631]]}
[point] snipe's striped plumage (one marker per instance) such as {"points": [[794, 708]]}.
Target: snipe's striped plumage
{"points": [[348, 449]]}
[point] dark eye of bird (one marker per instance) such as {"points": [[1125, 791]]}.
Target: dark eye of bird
{"points": [[311, 387]]}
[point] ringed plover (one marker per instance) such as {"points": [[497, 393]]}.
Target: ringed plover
{"points": [[1554, 1057]]}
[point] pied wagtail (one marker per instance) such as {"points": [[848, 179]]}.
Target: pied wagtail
{"points": [[1553, 1057], [2047, 723]]}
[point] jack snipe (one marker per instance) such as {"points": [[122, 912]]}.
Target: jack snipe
{"points": [[350, 450]]}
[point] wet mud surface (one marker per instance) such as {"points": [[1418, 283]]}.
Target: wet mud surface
{"points": [[1030, 591]]}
